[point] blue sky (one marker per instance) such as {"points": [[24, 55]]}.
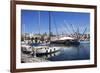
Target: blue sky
{"points": [[63, 21]]}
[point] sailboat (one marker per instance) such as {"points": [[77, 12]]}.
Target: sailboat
{"points": [[66, 40], [45, 48]]}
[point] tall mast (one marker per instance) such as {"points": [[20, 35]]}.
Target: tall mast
{"points": [[49, 26], [24, 32], [39, 21]]}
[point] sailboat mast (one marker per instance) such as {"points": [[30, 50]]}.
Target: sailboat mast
{"points": [[24, 32], [39, 21], [49, 26]]}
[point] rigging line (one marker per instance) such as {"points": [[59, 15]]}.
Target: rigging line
{"points": [[84, 31], [72, 28], [55, 26], [65, 31], [78, 32], [67, 28], [74, 32]]}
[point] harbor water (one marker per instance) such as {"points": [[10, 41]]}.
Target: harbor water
{"points": [[66, 53]]}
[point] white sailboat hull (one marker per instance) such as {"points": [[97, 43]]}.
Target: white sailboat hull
{"points": [[44, 50]]}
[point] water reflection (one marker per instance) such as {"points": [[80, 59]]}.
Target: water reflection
{"points": [[81, 52]]}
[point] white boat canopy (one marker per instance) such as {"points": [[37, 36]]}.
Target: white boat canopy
{"points": [[66, 38]]}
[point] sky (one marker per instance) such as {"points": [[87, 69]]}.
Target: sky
{"points": [[33, 21]]}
